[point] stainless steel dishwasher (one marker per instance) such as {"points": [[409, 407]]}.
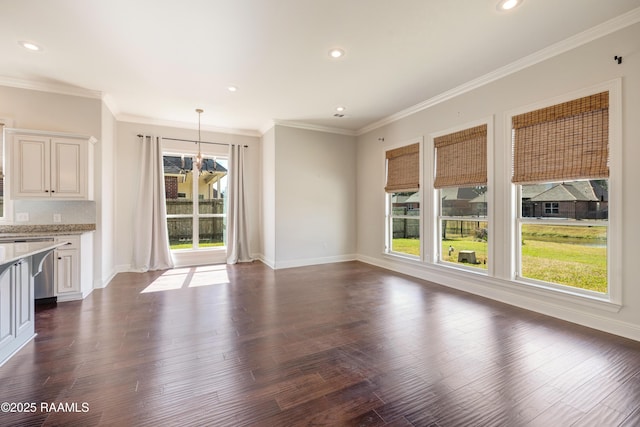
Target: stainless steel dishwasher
{"points": [[44, 282]]}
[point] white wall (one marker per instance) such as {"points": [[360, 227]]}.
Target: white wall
{"points": [[32, 109], [104, 241], [268, 198], [315, 183], [127, 178], [585, 66]]}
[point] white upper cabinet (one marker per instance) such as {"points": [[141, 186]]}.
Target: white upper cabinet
{"points": [[51, 166]]}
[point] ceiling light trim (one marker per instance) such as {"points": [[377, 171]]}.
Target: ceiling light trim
{"points": [[336, 53], [618, 23], [30, 46], [508, 5]]}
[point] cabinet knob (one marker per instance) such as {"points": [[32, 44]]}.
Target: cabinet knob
{"points": [[46, 191]]}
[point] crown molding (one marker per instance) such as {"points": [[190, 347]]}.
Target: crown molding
{"points": [[111, 104], [594, 33], [182, 125], [317, 128], [59, 88]]}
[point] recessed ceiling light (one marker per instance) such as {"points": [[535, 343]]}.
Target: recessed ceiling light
{"points": [[232, 88], [30, 46], [340, 109], [336, 53], [504, 5]]}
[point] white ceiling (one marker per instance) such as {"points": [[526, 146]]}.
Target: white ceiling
{"points": [[159, 60]]}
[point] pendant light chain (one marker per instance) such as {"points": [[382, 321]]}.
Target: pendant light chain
{"points": [[199, 160]]}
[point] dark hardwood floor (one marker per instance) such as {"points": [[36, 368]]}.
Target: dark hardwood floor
{"points": [[337, 345]]}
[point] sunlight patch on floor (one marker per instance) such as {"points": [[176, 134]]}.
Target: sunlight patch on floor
{"points": [[190, 277]]}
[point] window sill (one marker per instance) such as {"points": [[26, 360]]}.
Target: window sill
{"points": [[463, 268], [485, 285], [412, 259], [200, 250], [591, 300]]}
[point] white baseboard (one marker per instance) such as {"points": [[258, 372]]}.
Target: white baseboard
{"points": [[313, 261]]}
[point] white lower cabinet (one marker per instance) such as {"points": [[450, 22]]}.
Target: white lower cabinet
{"points": [[16, 307], [67, 268]]}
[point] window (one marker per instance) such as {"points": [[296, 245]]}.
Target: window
{"points": [[561, 169], [461, 181], [551, 208], [195, 200], [403, 222]]}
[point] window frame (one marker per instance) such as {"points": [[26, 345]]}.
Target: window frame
{"points": [[562, 222], [388, 217], [195, 214], [614, 232], [439, 232], [436, 217]]}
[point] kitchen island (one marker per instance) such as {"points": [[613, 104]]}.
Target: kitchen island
{"points": [[19, 263]]}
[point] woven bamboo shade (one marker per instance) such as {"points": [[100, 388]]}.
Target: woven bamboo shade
{"points": [[563, 142], [461, 158], [403, 169]]}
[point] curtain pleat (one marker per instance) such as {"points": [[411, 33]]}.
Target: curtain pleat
{"points": [[151, 239], [237, 231]]}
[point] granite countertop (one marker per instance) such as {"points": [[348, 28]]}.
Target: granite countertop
{"points": [[11, 252], [8, 230]]}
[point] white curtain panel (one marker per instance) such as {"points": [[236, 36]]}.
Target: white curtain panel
{"points": [[237, 235], [151, 239]]}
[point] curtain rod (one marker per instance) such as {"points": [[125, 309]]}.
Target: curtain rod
{"points": [[191, 140]]}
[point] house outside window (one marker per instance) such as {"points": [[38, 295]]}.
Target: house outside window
{"points": [[195, 202], [403, 215], [561, 170]]}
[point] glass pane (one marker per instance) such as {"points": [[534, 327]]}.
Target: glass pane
{"points": [[405, 233], [570, 200], [464, 201], [212, 186], [406, 236], [178, 188], [568, 255], [211, 232], [405, 204], [180, 233], [464, 242]]}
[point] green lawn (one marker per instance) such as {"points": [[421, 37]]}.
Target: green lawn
{"points": [[550, 254], [407, 246], [568, 264]]}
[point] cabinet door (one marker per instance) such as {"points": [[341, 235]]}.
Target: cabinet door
{"points": [[67, 271], [68, 168], [7, 319], [24, 297], [31, 166]]}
